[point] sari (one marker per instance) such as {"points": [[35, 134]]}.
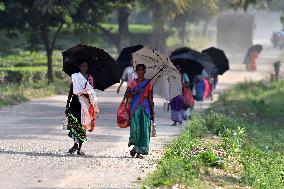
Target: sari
{"points": [[83, 108], [179, 111], [140, 117]]}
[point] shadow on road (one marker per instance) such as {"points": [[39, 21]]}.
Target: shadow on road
{"points": [[50, 154]]}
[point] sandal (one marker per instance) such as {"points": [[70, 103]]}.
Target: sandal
{"points": [[139, 156], [73, 149], [80, 153], [132, 153], [174, 124]]}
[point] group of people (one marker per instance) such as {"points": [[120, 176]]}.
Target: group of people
{"points": [[182, 105], [81, 108]]}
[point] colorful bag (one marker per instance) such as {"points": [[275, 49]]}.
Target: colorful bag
{"points": [[187, 97], [123, 114]]}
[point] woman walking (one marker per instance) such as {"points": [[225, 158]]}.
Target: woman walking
{"points": [[141, 112], [81, 108], [179, 111]]}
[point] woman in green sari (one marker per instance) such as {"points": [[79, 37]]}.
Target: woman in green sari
{"points": [[140, 92]]}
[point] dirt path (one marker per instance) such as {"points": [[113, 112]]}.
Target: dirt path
{"points": [[33, 145]]}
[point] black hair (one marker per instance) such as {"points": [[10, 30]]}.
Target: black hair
{"points": [[83, 61], [141, 65]]}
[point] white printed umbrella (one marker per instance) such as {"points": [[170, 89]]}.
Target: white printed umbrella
{"points": [[165, 77]]}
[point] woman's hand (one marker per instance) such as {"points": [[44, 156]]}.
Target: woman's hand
{"points": [[153, 116], [66, 111]]}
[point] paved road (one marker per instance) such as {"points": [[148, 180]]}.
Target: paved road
{"points": [[33, 145]]}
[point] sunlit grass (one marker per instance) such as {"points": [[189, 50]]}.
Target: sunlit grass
{"points": [[248, 129], [11, 94], [133, 28]]}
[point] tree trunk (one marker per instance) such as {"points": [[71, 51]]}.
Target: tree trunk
{"points": [[111, 36], [122, 16], [49, 46], [158, 28], [49, 66], [49, 50]]}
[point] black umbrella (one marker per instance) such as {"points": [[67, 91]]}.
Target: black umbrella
{"points": [[125, 56], [219, 59], [194, 62], [181, 50], [102, 66]]}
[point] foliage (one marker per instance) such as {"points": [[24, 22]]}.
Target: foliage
{"points": [[243, 3], [262, 169], [186, 156], [42, 21], [170, 8], [2, 6]]}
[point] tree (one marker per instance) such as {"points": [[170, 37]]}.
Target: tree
{"points": [[273, 5], [87, 18], [123, 14], [244, 4], [40, 21], [198, 10], [163, 11]]}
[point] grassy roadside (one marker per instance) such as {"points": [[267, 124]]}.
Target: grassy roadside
{"points": [[239, 143], [12, 94]]}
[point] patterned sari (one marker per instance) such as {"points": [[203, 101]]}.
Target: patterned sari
{"points": [[140, 117], [83, 108]]}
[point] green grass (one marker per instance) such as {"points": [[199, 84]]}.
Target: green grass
{"points": [[240, 144], [12, 94], [28, 59], [133, 28], [260, 104]]}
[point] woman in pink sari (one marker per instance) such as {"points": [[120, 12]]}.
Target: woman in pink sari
{"points": [[140, 92]]}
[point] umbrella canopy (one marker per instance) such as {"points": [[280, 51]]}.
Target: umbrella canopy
{"points": [[219, 59], [125, 56], [165, 77], [102, 66], [181, 50], [194, 62]]}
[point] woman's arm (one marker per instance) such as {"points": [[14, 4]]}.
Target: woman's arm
{"points": [[118, 89], [186, 81], [151, 101]]}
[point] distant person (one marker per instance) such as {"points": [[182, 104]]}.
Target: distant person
{"points": [[213, 81], [128, 75], [179, 111], [251, 56]]}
